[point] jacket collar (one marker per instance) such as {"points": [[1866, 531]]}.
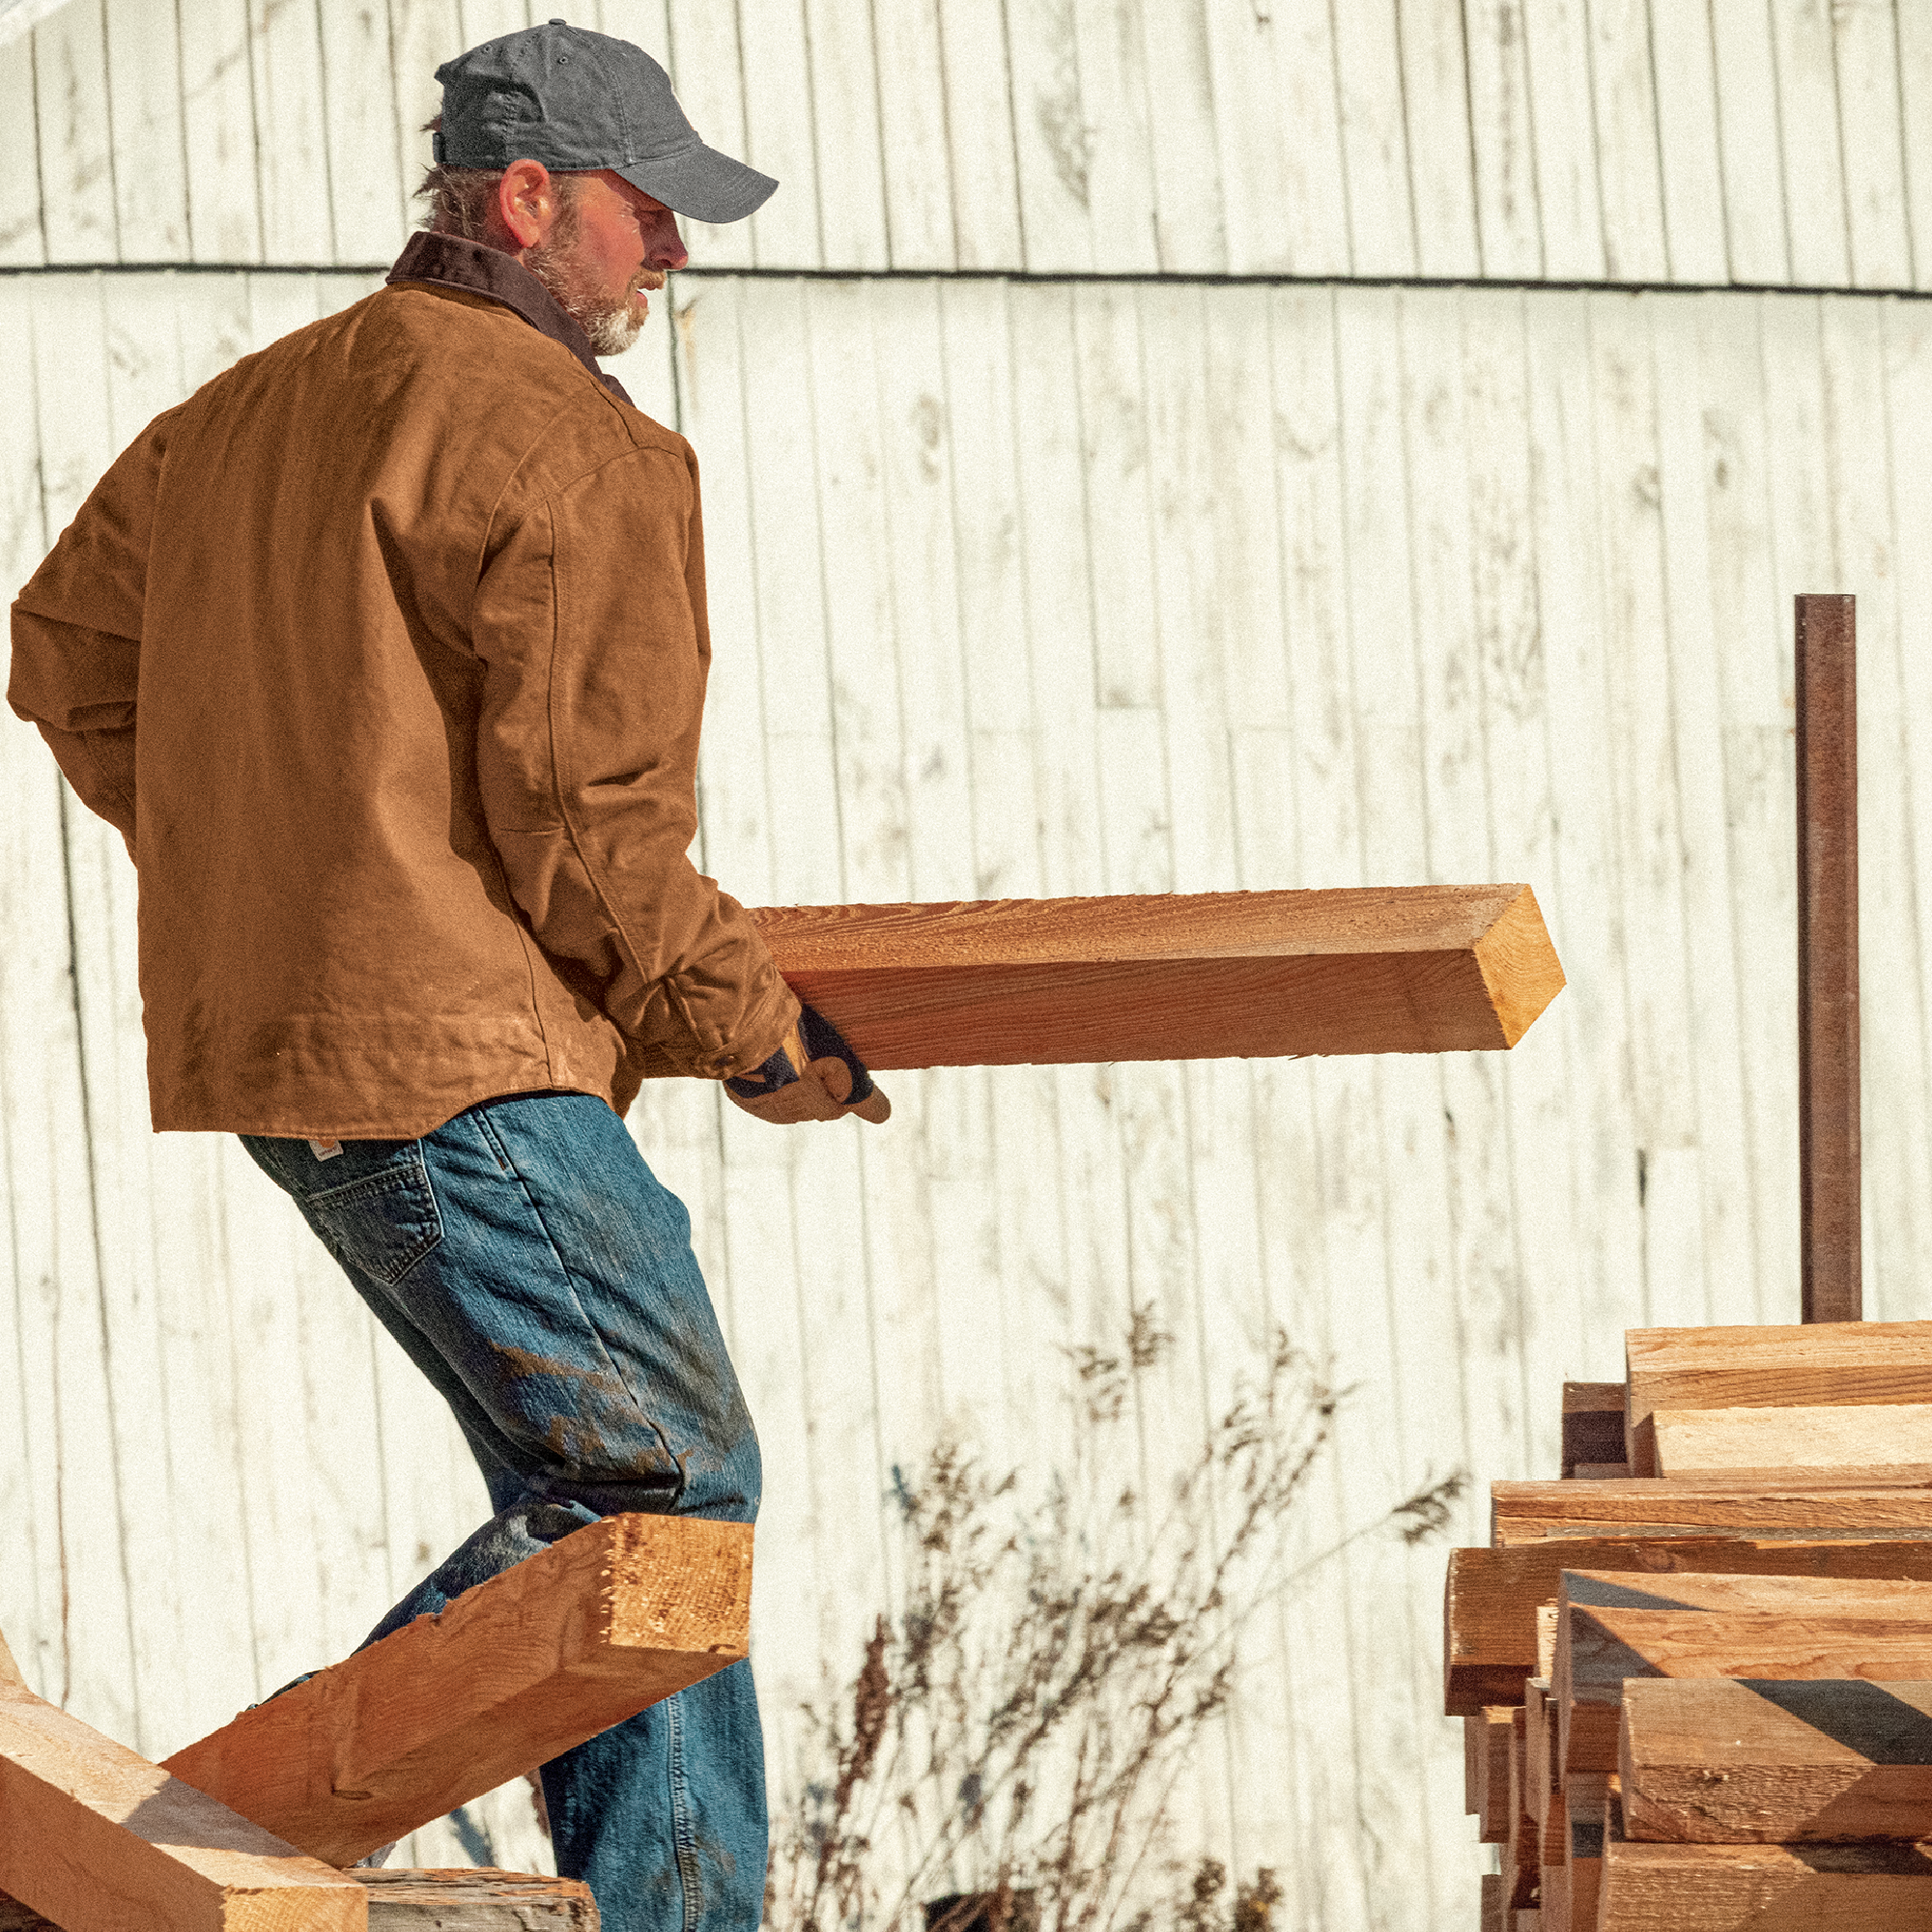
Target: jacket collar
{"points": [[448, 262]]}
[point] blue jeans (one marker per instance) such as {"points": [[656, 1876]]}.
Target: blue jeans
{"points": [[532, 1267]]}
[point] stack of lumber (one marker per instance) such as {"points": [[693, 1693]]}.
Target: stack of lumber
{"points": [[1694, 1675], [249, 1828]]}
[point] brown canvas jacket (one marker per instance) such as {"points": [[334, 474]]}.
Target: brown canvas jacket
{"points": [[385, 652]]}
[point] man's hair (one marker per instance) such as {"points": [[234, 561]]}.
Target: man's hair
{"points": [[459, 199]]}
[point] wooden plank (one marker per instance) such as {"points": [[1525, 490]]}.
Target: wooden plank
{"points": [[1585, 1805], [1519, 1861], [1889, 1444], [480, 1899], [1196, 975], [980, 132], [403, 1900], [1374, 143], [223, 202], [613, 1618], [1593, 1423], [707, 74], [1782, 1366], [1683, 67], [1876, 1887], [1436, 112], [1598, 1646], [1828, 957], [1645, 1506], [1628, 166], [1814, 141], [1493, 1727], [98, 1836], [917, 180], [1720, 1761], [1540, 128], [1491, 1596], [1865, 37], [785, 230]]}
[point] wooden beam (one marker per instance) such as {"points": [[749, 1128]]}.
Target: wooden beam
{"points": [[1492, 1727], [615, 1617], [1593, 1425], [1866, 1444], [1203, 976], [1875, 1886], [401, 1899], [1600, 1647], [1521, 1854], [1526, 1512], [92, 1835], [1828, 958], [1717, 1761], [1585, 1800], [1489, 1597], [1834, 1365]]}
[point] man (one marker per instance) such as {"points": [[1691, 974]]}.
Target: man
{"points": [[385, 652]]}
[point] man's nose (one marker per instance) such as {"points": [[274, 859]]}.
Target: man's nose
{"points": [[663, 245]]}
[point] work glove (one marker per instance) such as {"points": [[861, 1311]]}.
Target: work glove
{"points": [[813, 1077]]}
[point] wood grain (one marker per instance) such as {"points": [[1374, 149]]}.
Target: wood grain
{"points": [[93, 1836], [1601, 1647], [403, 1900], [1593, 1425], [1489, 1597], [1647, 1506], [1834, 1364], [1872, 1444], [1875, 1886], [615, 1617], [1492, 1728], [1723, 1761], [1206, 976]]}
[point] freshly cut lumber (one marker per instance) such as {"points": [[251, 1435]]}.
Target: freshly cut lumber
{"points": [[98, 1839], [1801, 1364], [1200, 976], [613, 1618], [1752, 1760], [405, 1900], [1521, 1854], [1492, 1727], [1799, 1596], [1646, 1506], [1491, 1596], [1880, 1886], [1593, 1425], [1599, 1649], [480, 1900], [1539, 1739], [1872, 1443], [1585, 1798]]}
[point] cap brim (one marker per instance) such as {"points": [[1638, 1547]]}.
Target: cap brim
{"points": [[702, 184]]}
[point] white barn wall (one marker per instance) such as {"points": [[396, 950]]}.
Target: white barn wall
{"points": [[1026, 589], [1760, 142]]}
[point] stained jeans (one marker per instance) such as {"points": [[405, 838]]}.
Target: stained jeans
{"points": [[534, 1269]]}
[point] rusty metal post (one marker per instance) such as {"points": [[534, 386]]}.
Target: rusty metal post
{"points": [[1828, 957]]}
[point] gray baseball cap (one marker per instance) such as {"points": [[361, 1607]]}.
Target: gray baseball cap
{"points": [[576, 101]]}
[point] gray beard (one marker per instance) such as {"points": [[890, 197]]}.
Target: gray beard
{"points": [[613, 328]]}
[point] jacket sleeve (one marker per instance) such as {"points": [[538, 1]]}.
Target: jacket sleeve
{"points": [[77, 633], [589, 625]]}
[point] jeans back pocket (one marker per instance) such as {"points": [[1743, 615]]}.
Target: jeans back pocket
{"points": [[379, 1218]]}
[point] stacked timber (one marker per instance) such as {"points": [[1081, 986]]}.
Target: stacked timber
{"points": [[1694, 1674]]}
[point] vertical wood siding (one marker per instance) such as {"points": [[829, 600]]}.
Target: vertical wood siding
{"points": [[1068, 589], [1769, 142]]}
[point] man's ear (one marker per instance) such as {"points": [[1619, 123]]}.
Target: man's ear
{"points": [[526, 202]]}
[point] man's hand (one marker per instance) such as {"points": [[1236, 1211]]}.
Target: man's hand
{"points": [[813, 1077]]}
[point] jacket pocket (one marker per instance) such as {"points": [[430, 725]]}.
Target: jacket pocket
{"points": [[381, 1224]]}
